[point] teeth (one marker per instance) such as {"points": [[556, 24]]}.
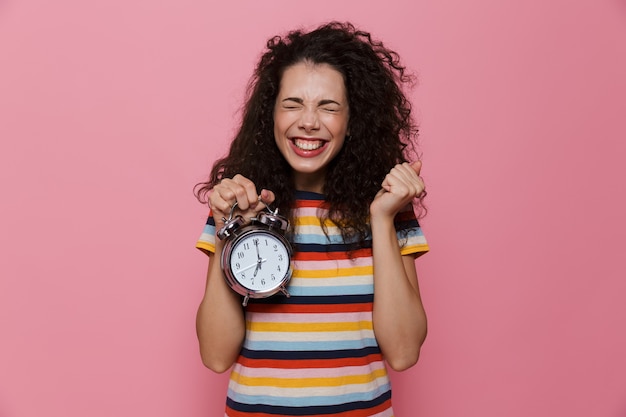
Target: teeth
{"points": [[308, 145]]}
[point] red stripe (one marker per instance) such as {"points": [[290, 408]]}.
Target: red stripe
{"points": [[312, 203], [233, 413], [309, 363], [332, 256], [405, 215]]}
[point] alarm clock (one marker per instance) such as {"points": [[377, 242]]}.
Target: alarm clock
{"points": [[256, 258]]}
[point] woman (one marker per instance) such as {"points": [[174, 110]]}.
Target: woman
{"points": [[324, 137]]}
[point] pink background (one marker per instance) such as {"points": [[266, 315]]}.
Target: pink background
{"points": [[110, 112]]}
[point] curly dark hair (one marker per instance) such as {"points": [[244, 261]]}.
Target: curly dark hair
{"points": [[382, 131]]}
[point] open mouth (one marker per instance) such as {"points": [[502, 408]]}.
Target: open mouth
{"points": [[308, 145]]}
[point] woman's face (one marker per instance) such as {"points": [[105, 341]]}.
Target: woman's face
{"points": [[310, 121]]}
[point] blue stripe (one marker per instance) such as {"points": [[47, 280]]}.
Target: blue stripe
{"points": [[411, 233], [318, 239], [323, 345], [330, 290], [209, 229], [309, 401], [307, 410]]}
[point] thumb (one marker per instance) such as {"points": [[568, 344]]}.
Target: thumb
{"points": [[267, 196], [417, 166]]}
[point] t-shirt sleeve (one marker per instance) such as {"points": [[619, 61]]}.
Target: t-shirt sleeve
{"points": [[206, 242], [409, 232]]}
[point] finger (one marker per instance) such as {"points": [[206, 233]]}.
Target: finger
{"points": [[413, 172], [402, 174], [417, 168], [394, 183], [404, 180], [245, 192], [392, 179], [407, 172], [222, 198], [219, 207]]}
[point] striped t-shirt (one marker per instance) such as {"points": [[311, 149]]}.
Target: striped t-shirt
{"points": [[315, 354]]}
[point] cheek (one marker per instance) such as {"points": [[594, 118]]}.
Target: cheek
{"points": [[281, 124], [337, 125], [280, 136]]}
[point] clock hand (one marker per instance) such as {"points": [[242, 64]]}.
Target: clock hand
{"points": [[258, 255], [259, 263], [247, 267]]}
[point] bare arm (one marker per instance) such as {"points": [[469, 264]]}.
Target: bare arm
{"points": [[220, 322], [399, 317]]}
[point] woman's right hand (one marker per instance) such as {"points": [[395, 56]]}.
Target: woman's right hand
{"points": [[220, 321], [242, 191]]}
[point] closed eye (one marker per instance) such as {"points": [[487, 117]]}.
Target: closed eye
{"points": [[292, 103], [330, 106]]}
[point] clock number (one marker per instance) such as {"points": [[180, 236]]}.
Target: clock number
{"points": [[243, 275], [262, 282], [238, 265], [273, 277], [280, 257], [275, 248], [246, 245], [240, 255]]}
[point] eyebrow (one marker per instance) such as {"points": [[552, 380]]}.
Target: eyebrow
{"points": [[319, 103]]}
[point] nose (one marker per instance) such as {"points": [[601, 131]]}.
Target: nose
{"points": [[309, 120]]}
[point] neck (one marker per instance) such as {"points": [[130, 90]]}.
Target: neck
{"points": [[309, 182]]}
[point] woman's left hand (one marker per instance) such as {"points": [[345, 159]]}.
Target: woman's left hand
{"points": [[398, 317], [401, 185]]}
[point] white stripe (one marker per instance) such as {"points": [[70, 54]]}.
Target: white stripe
{"points": [[333, 264], [311, 372], [298, 318], [299, 337], [340, 281]]}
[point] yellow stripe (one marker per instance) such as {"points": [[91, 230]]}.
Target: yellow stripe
{"points": [[332, 273], [206, 247], [313, 221], [310, 327], [307, 382], [414, 249]]}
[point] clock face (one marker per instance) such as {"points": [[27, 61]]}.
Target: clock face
{"points": [[259, 261]]}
